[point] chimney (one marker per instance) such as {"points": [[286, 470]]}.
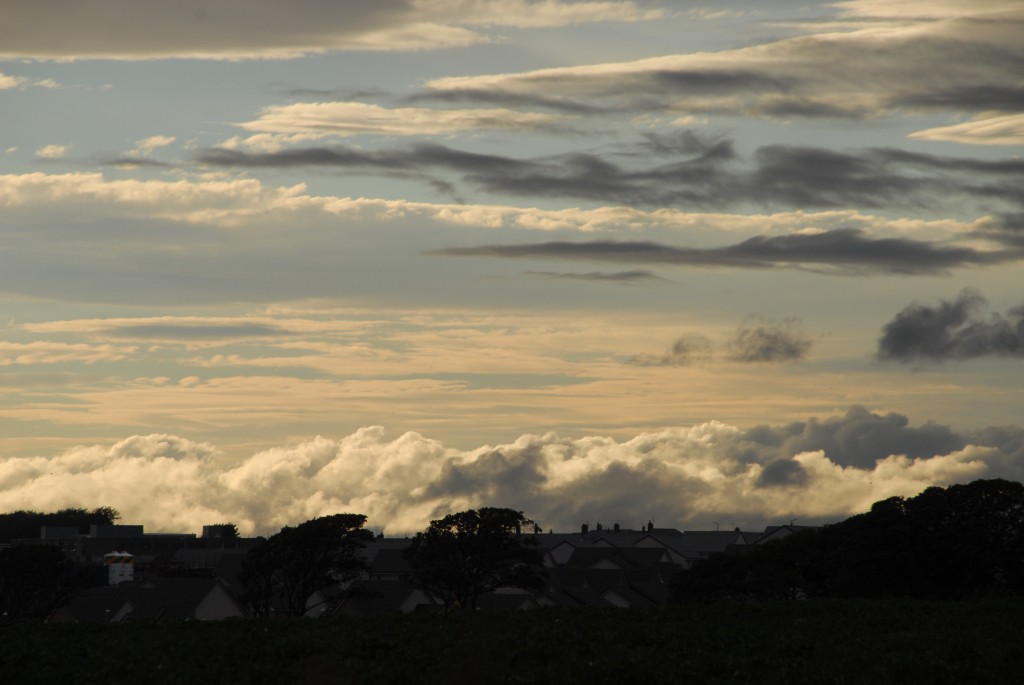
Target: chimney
{"points": [[120, 567]]}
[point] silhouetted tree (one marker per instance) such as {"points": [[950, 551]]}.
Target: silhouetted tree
{"points": [[464, 555], [228, 531], [26, 524], [281, 573]]}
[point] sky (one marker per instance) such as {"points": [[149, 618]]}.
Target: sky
{"points": [[702, 263]]}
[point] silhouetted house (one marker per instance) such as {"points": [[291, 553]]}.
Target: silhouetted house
{"points": [[507, 600], [686, 547], [185, 599], [105, 604], [617, 558], [627, 596], [379, 598]]}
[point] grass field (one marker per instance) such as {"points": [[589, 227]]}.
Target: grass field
{"points": [[807, 642]]}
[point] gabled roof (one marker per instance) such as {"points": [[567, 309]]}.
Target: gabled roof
{"points": [[375, 597], [630, 595], [171, 598], [694, 544], [94, 605], [623, 557], [575, 596]]}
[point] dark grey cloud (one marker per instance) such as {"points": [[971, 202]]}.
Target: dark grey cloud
{"points": [[861, 75], [755, 341], [842, 251], [335, 94], [859, 438], [620, 277], [135, 162], [507, 99], [957, 329], [197, 332], [688, 349], [646, 488], [687, 170], [318, 156], [759, 341], [498, 476], [712, 81], [984, 97], [782, 473]]}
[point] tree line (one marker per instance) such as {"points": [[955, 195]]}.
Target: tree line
{"points": [[945, 543], [26, 523]]}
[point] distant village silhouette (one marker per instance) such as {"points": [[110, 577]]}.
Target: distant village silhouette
{"points": [[84, 567]]}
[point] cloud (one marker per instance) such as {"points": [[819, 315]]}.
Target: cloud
{"points": [[172, 332], [129, 162], [923, 10], [8, 82], [840, 251], [146, 146], [245, 202], [184, 328], [227, 29], [620, 277], [999, 129], [861, 438], [687, 349], [43, 352], [755, 341], [770, 341], [957, 329], [816, 470], [320, 119], [872, 60], [49, 152], [682, 170]]}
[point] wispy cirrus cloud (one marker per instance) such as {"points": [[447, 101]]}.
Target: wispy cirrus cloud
{"points": [[631, 277], [994, 129], [46, 352], [150, 29], [232, 202], [685, 169], [873, 59], [840, 251], [312, 120]]}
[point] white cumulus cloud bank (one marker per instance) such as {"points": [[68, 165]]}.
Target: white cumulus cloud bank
{"points": [[817, 470]]}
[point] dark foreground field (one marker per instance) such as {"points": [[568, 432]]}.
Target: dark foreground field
{"points": [[809, 642]]}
